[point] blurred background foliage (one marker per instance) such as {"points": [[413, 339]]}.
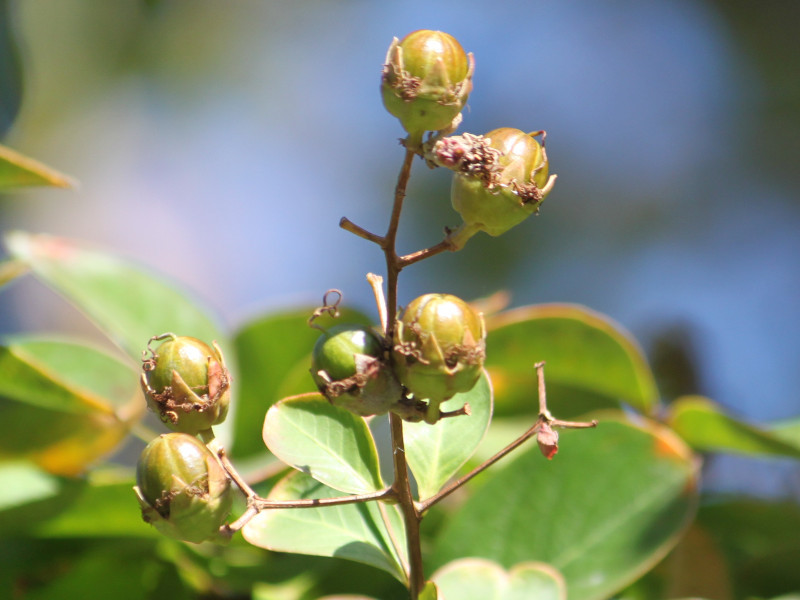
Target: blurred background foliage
{"points": [[220, 143]]}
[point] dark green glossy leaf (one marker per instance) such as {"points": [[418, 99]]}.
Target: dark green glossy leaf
{"points": [[70, 403], [605, 510], [129, 304], [481, 579], [371, 532], [18, 170], [329, 443], [705, 426], [269, 349], [591, 361], [436, 452]]}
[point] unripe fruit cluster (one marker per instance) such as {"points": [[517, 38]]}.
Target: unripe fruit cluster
{"points": [[437, 351]]}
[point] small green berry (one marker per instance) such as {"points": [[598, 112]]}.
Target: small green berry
{"points": [[182, 489], [186, 383], [349, 369], [426, 80], [439, 348]]}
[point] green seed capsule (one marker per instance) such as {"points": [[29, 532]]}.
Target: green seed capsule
{"points": [[439, 348], [426, 80], [516, 190], [348, 368], [186, 383], [182, 489]]}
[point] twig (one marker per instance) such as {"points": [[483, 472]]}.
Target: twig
{"points": [[544, 418]]}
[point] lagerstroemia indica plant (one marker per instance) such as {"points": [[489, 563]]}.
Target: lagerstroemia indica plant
{"points": [[375, 425], [406, 367]]}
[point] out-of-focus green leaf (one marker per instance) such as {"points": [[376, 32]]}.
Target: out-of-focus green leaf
{"points": [[69, 403], [30, 495], [268, 350], [10, 270], [133, 570], [329, 443], [436, 452], [106, 507], [10, 70], [430, 592], [788, 431], [696, 568], [608, 507], [18, 170], [592, 362], [705, 426], [371, 532], [760, 540], [127, 303], [481, 579]]}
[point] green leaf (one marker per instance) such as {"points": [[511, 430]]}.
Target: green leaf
{"points": [[592, 362], [106, 507], [759, 538], [788, 431], [18, 170], [371, 532], [704, 426], [605, 510], [10, 270], [125, 302], [329, 443], [70, 403], [10, 69], [429, 592], [436, 452], [29, 495], [267, 349], [481, 579]]}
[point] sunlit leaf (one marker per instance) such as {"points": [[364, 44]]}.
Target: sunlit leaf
{"points": [[269, 350], [705, 426], [436, 452], [592, 362], [18, 170], [30, 495], [788, 431], [430, 592], [329, 443], [585, 511], [70, 403], [129, 304], [481, 579], [371, 532]]}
